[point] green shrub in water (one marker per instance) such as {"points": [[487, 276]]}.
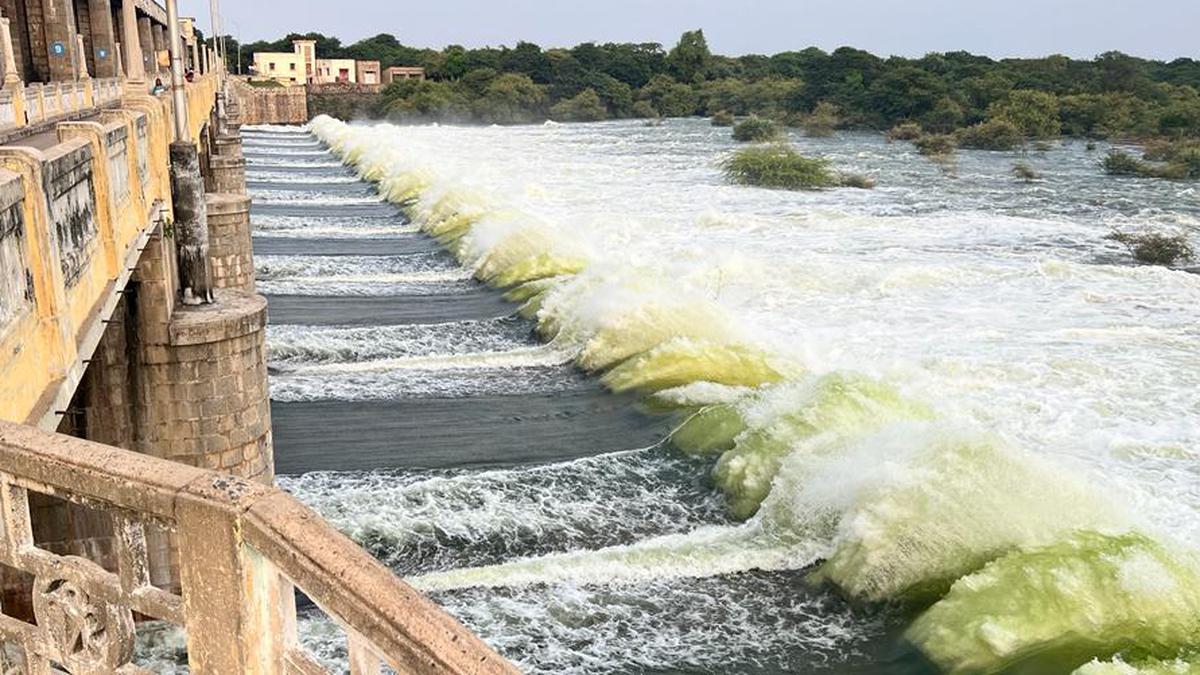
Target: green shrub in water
{"points": [[756, 129], [994, 134], [722, 118], [906, 131], [1182, 158], [1174, 161], [1121, 163], [779, 166], [1025, 172], [1156, 248], [936, 145], [857, 180], [822, 121]]}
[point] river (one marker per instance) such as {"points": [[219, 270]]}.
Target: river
{"points": [[905, 420]]}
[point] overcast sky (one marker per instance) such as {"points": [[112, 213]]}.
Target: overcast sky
{"points": [[1162, 29]]}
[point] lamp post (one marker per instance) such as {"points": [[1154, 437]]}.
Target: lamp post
{"points": [[215, 20], [178, 97]]}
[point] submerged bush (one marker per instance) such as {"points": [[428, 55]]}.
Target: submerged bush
{"points": [[1025, 172], [779, 166], [1181, 158], [756, 129], [907, 131], [1158, 150], [856, 180], [1179, 162], [722, 118], [1121, 163], [821, 121], [936, 145], [994, 134], [1156, 248]]}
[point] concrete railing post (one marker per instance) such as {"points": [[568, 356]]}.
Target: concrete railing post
{"points": [[191, 224], [235, 600], [12, 81], [82, 72]]}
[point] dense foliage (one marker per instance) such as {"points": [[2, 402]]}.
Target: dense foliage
{"points": [[780, 166], [1113, 95], [1156, 248], [755, 129], [1161, 159]]}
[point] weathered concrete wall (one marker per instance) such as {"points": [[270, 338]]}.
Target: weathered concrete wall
{"points": [[68, 179], [116, 143], [82, 224], [345, 101], [16, 277], [272, 105]]}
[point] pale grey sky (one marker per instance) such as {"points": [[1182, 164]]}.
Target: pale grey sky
{"points": [[1162, 29]]}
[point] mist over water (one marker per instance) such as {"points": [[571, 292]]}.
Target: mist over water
{"points": [[881, 393]]}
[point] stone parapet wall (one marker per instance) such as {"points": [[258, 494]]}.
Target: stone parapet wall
{"points": [[344, 88], [271, 105]]}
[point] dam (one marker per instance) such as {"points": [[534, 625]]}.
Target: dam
{"points": [[137, 461], [847, 431]]}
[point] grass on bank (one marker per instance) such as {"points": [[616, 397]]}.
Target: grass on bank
{"points": [[782, 167], [1156, 248], [756, 129]]}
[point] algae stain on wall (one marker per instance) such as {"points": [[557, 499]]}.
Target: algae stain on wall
{"points": [[16, 279]]}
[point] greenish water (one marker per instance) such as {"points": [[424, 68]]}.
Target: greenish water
{"points": [[903, 406]]}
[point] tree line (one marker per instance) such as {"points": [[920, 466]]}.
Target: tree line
{"points": [[1111, 96]]}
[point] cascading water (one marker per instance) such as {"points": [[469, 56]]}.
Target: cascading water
{"points": [[942, 414]]}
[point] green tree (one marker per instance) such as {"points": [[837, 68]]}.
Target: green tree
{"points": [[1035, 113], [690, 59], [670, 98], [945, 116], [511, 98], [455, 63], [585, 106]]}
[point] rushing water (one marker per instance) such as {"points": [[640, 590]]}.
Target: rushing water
{"points": [[880, 391]]}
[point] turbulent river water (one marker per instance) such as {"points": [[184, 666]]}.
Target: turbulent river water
{"points": [[620, 417]]}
